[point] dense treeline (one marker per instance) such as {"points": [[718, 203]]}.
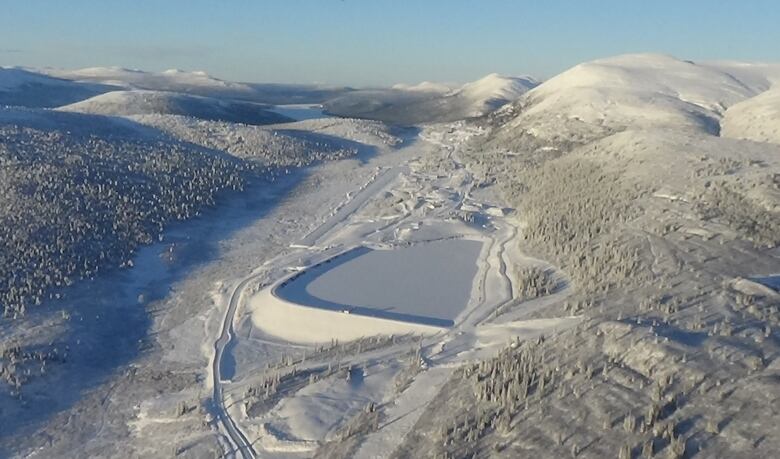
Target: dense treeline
{"points": [[72, 206], [262, 145]]}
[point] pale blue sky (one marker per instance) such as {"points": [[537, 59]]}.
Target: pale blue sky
{"points": [[378, 42]]}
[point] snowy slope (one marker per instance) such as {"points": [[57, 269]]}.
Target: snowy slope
{"points": [[623, 177], [142, 102], [756, 75], [757, 118], [493, 91], [430, 102], [68, 208], [29, 89], [278, 146], [638, 91], [12, 78]]}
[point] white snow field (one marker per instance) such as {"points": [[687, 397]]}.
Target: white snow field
{"points": [[588, 271], [627, 175]]}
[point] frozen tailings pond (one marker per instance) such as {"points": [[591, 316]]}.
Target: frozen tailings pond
{"points": [[426, 283], [421, 289]]}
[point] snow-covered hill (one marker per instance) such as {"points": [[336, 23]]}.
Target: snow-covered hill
{"points": [[168, 80], [757, 118], [143, 102], [430, 102], [26, 88], [493, 91], [632, 91], [202, 84], [427, 86], [624, 175], [71, 203], [284, 145]]}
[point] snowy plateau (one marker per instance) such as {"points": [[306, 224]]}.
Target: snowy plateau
{"points": [[586, 266]]}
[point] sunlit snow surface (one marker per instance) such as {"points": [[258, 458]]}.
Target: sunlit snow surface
{"points": [[425, 283]]}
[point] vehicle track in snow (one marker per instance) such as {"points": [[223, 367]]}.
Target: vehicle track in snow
{"points": [[232, 432], [240, 445]]}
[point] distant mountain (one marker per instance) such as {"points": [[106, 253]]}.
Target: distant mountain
{"points": [[430, 102], [26, 88], [203, 96], [169, 80], [202, 84], [427, 86], [143, 102], [493, 91]]}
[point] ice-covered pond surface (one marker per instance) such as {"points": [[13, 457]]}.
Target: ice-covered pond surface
{"points": [[300, 112], [428, 283]]}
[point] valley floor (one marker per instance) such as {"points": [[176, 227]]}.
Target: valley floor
{"points": [[219, 359]]}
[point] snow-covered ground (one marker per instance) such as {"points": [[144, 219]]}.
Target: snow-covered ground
{"points": [[387, 196], [588, 271]]}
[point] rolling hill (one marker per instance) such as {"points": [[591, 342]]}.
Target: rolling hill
{"points": [[632, 175], [201, 84], [144, 102], [26, 88], [429, 102]]}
